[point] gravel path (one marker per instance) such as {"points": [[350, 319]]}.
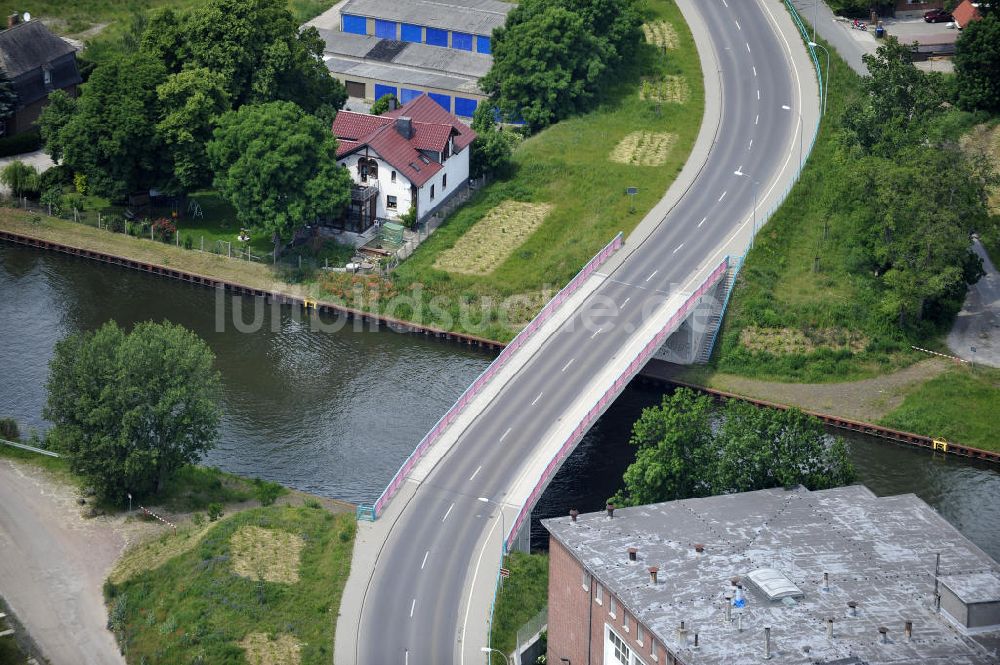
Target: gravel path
{"points": [[978, 324]]}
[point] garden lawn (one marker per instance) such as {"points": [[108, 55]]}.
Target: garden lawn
{"points": [[959, 405], [569, 167], [196, 608], [525, 593]]}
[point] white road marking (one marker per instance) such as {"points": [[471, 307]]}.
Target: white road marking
{"points": [[757, 119], [625, 302], [505, 434], [786, 107], [448, 513], [723, 196], [702, 221], [406, 658], [725, 3], [535, 401], [424, 562], [750, 147], [566, 366], [596, 333], [678, 248], [758, 94], [755, 71], [473, 476], [737, 24], [748, 47], [412, 605], [651, 275]]}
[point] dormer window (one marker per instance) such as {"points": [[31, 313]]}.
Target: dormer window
{"points": [[47, 76]]}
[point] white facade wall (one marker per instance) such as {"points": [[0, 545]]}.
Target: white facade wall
{"points": [[400, 189], [457, 169]]}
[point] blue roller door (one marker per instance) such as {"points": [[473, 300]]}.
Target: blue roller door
{"points": [[408, 95], [465, 107], [385, 29], [437, 37], [411, 33], [356, 25], [461, 41], [443, 100], [381, 90], [483, 44]]}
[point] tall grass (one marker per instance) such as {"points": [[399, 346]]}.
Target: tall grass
{"points": [[525, 593]]}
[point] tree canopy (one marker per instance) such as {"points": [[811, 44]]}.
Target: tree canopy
{"points": [[689, 448], [491, 151], [130, 408], [278, 167], [8, 98], [977, 65]]}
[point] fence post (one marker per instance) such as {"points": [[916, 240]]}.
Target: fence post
{"points": [[203, 243]]}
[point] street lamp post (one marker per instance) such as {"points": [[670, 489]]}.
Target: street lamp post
{"points": [[826, 86], [490, 651], [503, 539]]}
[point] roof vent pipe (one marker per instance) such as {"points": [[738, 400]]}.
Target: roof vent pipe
{"points": [[699, 548], [653, 570], [695, 641], [883, 633], [573, 514], [729, 607], [767, 643], [829, 628], [632, 554], [611, 511], [908, 630], [682, 635], [852, 608], [826, 581], [739, 622]]}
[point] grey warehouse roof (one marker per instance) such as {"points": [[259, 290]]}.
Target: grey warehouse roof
{"points": [[434, 59], [878, 552], [472, 16]]}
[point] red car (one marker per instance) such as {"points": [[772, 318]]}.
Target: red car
{"points": [[938, 16]]}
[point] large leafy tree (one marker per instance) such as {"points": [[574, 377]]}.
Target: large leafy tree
{"points": [[190, 103], [56, 115], [688, 448], [977, 65], [491, 151], [278, 166], [131, 408], [112, 137]]}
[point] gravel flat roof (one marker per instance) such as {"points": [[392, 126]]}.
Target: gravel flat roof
{"points": [[464, 64], [878, 552], [473, 16]]}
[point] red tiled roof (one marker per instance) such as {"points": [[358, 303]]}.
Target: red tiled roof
{"points": [[965, 14], [432, 126]]}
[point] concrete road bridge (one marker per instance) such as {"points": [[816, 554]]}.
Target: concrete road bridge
{"points": [[424, 572]]}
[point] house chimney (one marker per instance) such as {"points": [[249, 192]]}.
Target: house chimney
{"points": [[13, 20], [852, 608], [573, 514], [767, 643], [695, 646], [404, 126], [682, 635], [883, 633], [826, 581], [653, 570], [739, 622], [699, 548], [611, 511], [829, 628], [632, 553], [393, 105], [908, 630], [729, 607]]}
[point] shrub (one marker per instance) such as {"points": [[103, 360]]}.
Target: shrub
{"points": [[9, 430], [20, 143], [312, 503], [80, 183], [21, 178], [198, 519], [214, 511], [55, 176], [164, 229], [267, 492], [53, 198], [188, 242], [409, 218]]}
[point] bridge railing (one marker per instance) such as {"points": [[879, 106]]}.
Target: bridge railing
{"points": [[374, 511], [819, 70], [610, 395]]}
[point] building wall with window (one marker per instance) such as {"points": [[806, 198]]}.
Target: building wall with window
{"points": [[443, 185], [395, 195]]}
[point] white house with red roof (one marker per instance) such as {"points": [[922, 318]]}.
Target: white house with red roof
{"points": [[416, 155]]}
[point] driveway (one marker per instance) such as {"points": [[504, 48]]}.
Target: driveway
{"points": [[52, 567], [978, 324]]}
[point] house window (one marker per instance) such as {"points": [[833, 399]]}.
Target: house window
{"points": [[653, 651], [598, 594], [584, 577], [612, 606], [367, 168], [47, 75], [432, 192], [622, 654], [392, 176], [638, 633], [444, 182], [625, 621], [390, 202]]}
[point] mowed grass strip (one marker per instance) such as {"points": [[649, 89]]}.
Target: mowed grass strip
{"points": [[661, 34], [644, 148], [262, 649], [271, 555], [196, 608], [493, 238]]}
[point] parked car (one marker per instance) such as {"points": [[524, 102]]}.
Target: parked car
{"points": [[938, 16]]}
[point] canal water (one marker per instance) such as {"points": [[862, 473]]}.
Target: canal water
{"points": [[336, 412]]}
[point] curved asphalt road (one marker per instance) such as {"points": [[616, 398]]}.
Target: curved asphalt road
{"points": [[411, 612]]}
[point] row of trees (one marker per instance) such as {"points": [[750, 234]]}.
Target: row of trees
{"points": [[688, 447], [552, 58], [906, 192]]}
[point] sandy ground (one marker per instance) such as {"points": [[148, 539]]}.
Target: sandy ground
{"points": [[868, 400]]}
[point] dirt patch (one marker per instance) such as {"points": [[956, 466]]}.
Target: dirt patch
{"points": [[670, 89], [985, 140], [660, 34], [271, 555], [644, 148], [154, 554], [262, 650], [786, 341], [493, 238]]}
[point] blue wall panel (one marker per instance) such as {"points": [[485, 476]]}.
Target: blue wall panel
{"points": [[356, 25], [465, 107], [483, 44], [461, 41], [408, 95], [385, 29], [443, 100], [437, 37], [381, 90], [411, 33]]}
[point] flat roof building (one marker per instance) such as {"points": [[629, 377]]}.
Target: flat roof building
{"points": [[409, 48], [790, 576]]}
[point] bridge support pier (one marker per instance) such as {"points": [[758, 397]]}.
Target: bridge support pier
{"points": [[693, 341]]}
